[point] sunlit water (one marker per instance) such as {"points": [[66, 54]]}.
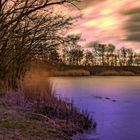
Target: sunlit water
{"points": [[113, 102]]}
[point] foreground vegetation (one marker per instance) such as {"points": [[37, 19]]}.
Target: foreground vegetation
{"points": [[31, 30], [26, 124], [34, 112]]}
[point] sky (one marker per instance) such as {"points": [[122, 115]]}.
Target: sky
{"points": [[105, 21]]}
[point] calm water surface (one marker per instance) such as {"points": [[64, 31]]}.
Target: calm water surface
{"points": [[113, 102]]}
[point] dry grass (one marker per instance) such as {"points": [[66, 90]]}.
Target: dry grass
{"points": [[36, 95], [126, 73], [73, 72], [116, 73], [38, 90], [37, 85]]}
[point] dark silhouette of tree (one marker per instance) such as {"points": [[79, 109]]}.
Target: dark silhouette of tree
{"points": [[99, 51], [123, 56], [101, 54], [110, 56], [137, 59], [64, 55], [27, 29], [73, 41], [130, 57], [52, 57], [75, 56], [89, 59]]}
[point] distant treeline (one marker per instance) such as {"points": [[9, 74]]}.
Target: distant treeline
{"points": [[97, 55]]}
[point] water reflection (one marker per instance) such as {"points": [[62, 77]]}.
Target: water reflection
{"points": [[113, 102]]}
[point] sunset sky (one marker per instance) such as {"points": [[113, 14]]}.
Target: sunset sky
{"points": [[104, 21]]}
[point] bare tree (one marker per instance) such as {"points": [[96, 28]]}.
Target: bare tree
{"points": [[110, 49], [75, 56], [89, 59], [99, 51], [27, 29]]}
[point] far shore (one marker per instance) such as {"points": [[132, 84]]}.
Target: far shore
{"points": [[81, 73]]}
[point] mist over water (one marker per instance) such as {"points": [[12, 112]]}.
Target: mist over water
{"points": [[113, 102]]}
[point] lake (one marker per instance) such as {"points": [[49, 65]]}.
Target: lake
{"points": [[113, 102]]}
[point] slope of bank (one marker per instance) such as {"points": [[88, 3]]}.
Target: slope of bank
{"points": [[25, 123], [21, 126]]}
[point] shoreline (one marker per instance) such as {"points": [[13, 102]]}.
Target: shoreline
{"points": [[23, 123], [69, 70], [98, 76], [86, 73]]}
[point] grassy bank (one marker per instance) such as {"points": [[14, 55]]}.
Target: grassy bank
{"points": [[33, 112], [116, 73], [78, 73], [75, 71], [71, 72]]}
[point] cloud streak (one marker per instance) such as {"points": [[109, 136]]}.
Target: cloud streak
{"points": [[132, 26], [103, 21]]}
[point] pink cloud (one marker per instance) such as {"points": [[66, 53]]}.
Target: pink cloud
{"points": [[104, 22]]}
